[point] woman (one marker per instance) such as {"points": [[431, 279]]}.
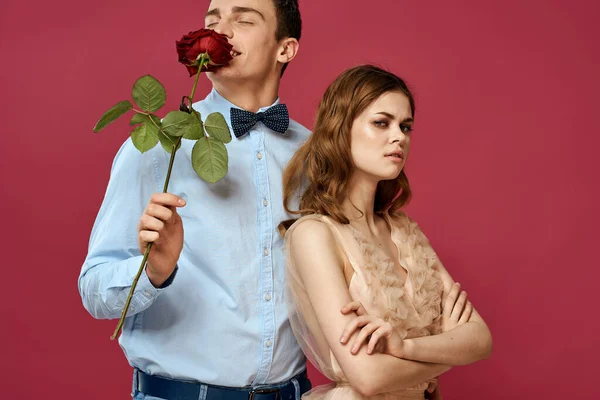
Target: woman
{"points": [[402, 321]]}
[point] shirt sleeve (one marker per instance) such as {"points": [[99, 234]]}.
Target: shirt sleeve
{"points": [[113, 257]]}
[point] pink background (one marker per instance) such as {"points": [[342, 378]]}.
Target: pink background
{"points": [[503, 169]]}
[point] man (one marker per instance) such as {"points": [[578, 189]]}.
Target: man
{"points": [[208, 319]]}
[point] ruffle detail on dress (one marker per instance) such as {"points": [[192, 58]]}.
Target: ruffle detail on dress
{"points": [[389, 292], [417, 255]]}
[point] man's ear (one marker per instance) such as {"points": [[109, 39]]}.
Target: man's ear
{"points": [[288, 50]]}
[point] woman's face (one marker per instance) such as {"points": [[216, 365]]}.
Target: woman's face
{"points": [[380, 137]]}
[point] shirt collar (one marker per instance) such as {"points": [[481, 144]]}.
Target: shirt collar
{"points": [[220, 102]]}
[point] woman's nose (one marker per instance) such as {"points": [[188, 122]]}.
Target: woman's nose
{"points": [[398, 136]]}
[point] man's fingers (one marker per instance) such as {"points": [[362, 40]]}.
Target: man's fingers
{"points": [[148, 237], [149, 223], [167, 199], [175, 218], [164, 213]]}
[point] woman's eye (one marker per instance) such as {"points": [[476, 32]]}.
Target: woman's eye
{"points": [[406, 128], [209, 26], [380, 124], [246, 22]]}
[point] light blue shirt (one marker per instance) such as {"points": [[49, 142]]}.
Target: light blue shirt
{"points": [[223, 319]]}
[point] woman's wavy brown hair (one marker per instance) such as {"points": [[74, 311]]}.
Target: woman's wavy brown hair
{"points": [[322, 167]]}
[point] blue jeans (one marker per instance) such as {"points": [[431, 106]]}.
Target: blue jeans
{"points": [[141, 396], [137, 395]]}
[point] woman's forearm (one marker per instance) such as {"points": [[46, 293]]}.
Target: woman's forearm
{"points": [[462, 345], [382, 373]]}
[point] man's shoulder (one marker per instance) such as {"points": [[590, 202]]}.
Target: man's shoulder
{"points": [[129, 158], [299, 129], [201, 106]]}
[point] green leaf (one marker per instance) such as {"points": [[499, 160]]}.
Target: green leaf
{"points": [[145, 137], [111, 115], [167, 141], [217, 128], [142, 118], [149, 93], [177, 123], [209, 159], [196, 130]]}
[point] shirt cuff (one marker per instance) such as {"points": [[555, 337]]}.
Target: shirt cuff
{"points": [[170, 279], [126, 274], [148, 288]]}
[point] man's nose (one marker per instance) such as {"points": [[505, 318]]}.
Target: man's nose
{"points": [[224, 28]]}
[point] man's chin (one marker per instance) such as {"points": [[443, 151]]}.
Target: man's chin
{"points": [[228, 71]]}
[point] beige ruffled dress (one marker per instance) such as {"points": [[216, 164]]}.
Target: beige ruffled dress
{"points": [[413, 306]]}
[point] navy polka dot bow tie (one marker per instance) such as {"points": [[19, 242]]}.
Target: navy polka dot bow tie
{"points": [[276, 118]]}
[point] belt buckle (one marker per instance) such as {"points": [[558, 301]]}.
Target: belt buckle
{"points": [[264, 391]]}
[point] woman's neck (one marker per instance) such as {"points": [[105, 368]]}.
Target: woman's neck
{"points": [[359, 206]]}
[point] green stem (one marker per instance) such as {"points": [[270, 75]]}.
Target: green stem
{"points": [[203, 61], [157, 127], [147, 252], [173, 151]]}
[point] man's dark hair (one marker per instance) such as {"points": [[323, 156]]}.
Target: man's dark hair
{"points": [[289, 21]]}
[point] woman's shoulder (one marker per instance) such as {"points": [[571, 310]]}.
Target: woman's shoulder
{"points": [[313, 232], [405, 226], [398, 218], [310, 241], [308, 226], [401, 219]]}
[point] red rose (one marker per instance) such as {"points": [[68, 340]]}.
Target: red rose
{"points": [[203, 41]]}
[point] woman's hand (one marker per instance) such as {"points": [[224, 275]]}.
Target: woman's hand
{"points": [[377, 333], [456, 309], [433, 392]]}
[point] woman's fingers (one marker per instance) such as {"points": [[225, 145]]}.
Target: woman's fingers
{"points": [[354, 306], [466, 314], [364, 333], [384, 330], [353, 326], [459, 306], [451, 300]]}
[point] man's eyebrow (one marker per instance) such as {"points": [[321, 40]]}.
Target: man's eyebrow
{"points": [[391, 116], [214, 12], [241, 10]]}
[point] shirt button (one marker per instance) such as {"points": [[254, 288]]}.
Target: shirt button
{"points": [[267, 297], [266, 251], [147, 293], [265, 202], [268, 343], [259, 156]]}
